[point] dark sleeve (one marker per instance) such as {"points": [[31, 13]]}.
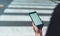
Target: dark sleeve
{"points": [[54, 26]]}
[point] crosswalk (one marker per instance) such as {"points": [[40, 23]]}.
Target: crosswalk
{"points": [[18, 10], [15, 16]]}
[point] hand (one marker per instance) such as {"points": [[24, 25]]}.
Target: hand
{"points": [[38, 32]]}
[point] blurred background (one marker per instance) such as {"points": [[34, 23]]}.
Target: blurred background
{"points": [[15, 20]]}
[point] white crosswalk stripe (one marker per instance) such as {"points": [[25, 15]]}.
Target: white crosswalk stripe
{"points": [[20, 6], [20, 18], [20, 3], [27, 11]]}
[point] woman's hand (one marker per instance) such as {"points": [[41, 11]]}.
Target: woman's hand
{"points": [[38, 32]]}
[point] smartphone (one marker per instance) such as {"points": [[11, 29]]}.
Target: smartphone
{"points": [[36, 19]]}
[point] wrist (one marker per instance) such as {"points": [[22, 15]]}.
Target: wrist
{"points": [[37, 34]]}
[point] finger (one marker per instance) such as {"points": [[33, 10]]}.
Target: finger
{"points": [[34, 27], [33, 24]]}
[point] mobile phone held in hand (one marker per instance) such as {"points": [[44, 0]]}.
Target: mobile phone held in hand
{"points": [[36, 19]]}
